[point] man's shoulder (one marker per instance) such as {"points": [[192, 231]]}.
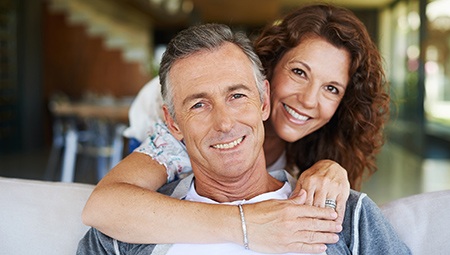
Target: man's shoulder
{"points": [[355, 196], [358, 200], [283, 176], [177, 188], [168, 188]]}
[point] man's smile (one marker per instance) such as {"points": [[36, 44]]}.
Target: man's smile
{"points": [[229, 145]]}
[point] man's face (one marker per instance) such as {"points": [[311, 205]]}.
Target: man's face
{"points": [[218, 111]]}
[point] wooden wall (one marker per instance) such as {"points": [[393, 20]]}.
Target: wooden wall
{"points": [[75, 63]]}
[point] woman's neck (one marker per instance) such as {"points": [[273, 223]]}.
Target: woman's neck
{"points": [[274, 146]]}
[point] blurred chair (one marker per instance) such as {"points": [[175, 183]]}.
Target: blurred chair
{"points": [[86, 130]]}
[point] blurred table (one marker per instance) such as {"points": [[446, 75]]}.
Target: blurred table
{"points": [[112, 112], [87, 127]]}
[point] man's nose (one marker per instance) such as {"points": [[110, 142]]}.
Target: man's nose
{"points": [[223, 118]]}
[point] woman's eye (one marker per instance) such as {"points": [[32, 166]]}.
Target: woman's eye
{"points": [[298, 71], [332, 89]]}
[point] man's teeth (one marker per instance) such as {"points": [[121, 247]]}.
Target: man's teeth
{"points": [[228, 145], [295, 114]]}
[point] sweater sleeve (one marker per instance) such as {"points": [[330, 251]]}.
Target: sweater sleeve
{"points": [[366, 231], [375, 235]]}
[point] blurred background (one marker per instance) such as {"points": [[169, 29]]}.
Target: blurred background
{"points": [[69, 70]]}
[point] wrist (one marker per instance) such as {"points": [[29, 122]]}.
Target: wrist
{"points": [[228, 224], [244, 226]]}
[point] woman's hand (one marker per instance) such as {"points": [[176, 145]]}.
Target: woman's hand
{"points": [[326, 179], [282, 226]]}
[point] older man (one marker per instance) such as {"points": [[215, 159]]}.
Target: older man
{"points": [[216, 99]]}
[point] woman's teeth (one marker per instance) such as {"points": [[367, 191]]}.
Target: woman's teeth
{"points": [[295, 114]]}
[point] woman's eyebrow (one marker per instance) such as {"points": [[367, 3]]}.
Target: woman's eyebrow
{"points": [[303, 64]]}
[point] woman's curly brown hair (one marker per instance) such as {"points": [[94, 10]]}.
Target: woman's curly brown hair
{"points": [[354, 134]]}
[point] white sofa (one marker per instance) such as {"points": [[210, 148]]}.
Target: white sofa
{"points": [[39, 217], [422, 221]]}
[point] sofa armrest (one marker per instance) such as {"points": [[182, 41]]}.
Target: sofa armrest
{"points": [[40, 217], [422, 221]]}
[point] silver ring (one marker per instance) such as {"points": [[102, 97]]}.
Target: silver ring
{"points": [[331, 203]]}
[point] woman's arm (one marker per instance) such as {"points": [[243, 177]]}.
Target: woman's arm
{"points": [[125, 206]]}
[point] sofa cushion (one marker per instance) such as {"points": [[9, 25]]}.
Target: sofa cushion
{"points": [[422, 221], [39, 217]]}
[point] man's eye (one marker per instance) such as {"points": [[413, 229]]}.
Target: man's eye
{"points": [[198, 105], [236, 96]]}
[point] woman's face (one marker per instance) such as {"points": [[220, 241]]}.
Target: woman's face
{"points": [[307, 86]]}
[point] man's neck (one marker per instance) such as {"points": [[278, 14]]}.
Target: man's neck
{"points": [[249, 184]]}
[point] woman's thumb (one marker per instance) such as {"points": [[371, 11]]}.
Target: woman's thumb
{"points": [[300, 197]]}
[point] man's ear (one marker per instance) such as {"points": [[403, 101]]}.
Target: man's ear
{"points": [[265, 107], [172, 125]]}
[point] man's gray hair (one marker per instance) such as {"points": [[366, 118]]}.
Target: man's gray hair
{"points": [[201, 38]]}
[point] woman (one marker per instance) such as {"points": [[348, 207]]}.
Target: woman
{"points": [[308, 96], [353, 135]]}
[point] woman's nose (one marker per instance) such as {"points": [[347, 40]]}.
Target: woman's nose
{"points": [[309, 96]]}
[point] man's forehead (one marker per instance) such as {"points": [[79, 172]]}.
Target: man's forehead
{"points": [[224, 69], [224, 55]]}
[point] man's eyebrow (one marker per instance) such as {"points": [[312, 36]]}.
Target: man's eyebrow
{"points": [[203, 94], [193, 97], [238, 87]]}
